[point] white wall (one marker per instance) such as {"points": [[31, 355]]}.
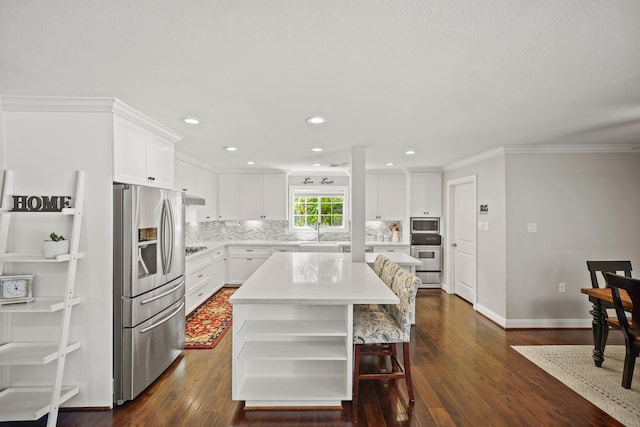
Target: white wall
{"points": [[586, 208], [491, 277], [44, 149]]}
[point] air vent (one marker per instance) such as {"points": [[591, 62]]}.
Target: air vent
{"points": [[339, 165]]}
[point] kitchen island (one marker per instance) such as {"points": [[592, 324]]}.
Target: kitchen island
{"points": [[293, 329]]}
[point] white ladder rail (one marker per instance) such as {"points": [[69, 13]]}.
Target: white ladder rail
{"points": [[7, 192], [54, 405]]}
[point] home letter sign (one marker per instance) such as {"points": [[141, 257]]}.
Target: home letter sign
{"points": [[40, 203]]}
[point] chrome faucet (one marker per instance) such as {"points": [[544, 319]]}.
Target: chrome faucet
{"points": [[318, 228]]}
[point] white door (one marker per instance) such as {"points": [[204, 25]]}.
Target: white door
{"points": [[464, 240]]}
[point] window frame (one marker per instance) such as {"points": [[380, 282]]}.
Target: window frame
{"points": [[336, 191]]}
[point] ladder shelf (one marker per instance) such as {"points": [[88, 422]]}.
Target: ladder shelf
{"points": [[29, 403]]}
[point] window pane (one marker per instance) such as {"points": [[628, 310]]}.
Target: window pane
{"points": [[310, 210]]}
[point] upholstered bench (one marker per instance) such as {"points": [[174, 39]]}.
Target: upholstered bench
{"points": [[378, 328]]}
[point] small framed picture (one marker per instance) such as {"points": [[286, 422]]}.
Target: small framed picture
{"points": [[16, 288]]}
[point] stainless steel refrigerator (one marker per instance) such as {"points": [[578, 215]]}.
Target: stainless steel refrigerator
{"points": [[149, 288]]}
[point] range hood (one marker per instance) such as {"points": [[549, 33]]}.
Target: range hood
{"points": [[191, 200]]}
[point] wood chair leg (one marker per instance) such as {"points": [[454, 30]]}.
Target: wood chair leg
{"points": [[629, 364], [356, 372], [407, 370]]}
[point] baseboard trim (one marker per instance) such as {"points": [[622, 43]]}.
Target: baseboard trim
{"points": [[494, 317], [549, 323]]}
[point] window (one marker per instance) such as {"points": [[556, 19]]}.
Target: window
{"points": [[312, 206]]}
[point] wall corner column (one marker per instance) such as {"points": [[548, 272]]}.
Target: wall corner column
{"points": [[357, 203]]}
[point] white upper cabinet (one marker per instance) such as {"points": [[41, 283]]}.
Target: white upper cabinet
{"points": [[252, 196], [228, 196], [141, 156], [275, 196], [426, 194], [263, 196], [207, 185], [196, 181], [385, 197], [185, 176]]}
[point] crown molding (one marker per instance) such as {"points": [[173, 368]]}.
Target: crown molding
{"points": [[569, 148], [193, 161], [59, 104], [543, 149], [494, 152]]}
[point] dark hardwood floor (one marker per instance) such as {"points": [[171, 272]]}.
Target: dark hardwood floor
{"points": [[464, 373]]}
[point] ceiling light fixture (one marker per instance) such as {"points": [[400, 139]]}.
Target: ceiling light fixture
{"points": [[316, 149], [390, 164], [191, 120], [315, 120], [410, 152], [230, 148], [251, 163], [315, 164]]}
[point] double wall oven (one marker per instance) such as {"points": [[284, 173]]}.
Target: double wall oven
{"points": [[426, 245]]}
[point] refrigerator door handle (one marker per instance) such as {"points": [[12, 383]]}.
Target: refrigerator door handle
{"points": [[166, 319], [162, 295], [163, 237], [171, 235]]}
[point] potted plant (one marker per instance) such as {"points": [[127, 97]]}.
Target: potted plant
{"points": [[54, 247]]}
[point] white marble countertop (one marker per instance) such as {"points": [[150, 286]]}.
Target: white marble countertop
{"points": [[397, 257], [340, 243], [313, 278]]}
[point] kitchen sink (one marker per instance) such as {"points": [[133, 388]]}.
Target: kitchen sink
{"points": [[318, 247]]}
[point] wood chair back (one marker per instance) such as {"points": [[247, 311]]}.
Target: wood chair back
{"points": [[607, 267], [630, 329]]}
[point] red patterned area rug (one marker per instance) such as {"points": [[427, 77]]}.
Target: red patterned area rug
{"points": [[207, 324]]}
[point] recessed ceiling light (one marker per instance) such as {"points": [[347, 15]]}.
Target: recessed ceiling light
{"points": [[251, 163], [410, 152], [191, 120], [230, 148], [390, 164], [316, 149], [315, 164], [315, 120]]}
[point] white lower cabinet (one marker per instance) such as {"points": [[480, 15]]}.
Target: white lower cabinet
{"points": [[276, 249], [291, 355], [391, 249], [218, 269], [199, 283], [244, 261], [205, 274]]}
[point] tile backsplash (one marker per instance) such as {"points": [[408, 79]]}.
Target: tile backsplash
{"points": [[272, 230]]}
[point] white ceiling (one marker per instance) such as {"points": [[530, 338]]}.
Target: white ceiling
{"points": [[448, 78]]}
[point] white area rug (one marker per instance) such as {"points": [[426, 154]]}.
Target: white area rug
{"points": [[573, 366]]}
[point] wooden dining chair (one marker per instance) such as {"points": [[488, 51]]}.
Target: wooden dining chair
{"points": [[377, 331], [630, 327], [603, 267]]}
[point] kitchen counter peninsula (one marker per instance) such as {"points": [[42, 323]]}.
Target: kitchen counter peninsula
{"points": [[293, 329]]}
